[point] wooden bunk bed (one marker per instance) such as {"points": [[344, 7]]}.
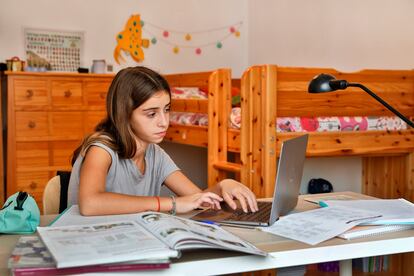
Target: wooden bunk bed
{"points": [[217, 106], [270, 92], [215, 82]]}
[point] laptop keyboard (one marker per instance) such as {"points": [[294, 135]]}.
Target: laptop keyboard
{"points": [[262, 215]]}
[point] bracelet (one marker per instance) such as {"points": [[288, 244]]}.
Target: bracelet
{"points": [[173, 210], [158, 203]]}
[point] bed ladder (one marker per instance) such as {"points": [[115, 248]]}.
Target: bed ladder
{"points": [[257, 134]]}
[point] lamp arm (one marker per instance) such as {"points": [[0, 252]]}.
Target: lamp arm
{"points": [[384, 103]]}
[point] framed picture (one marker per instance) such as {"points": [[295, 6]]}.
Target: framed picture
{"points": [[53, 50]]}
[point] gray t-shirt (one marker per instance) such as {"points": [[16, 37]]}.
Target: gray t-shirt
{"points": [[125, 178]]}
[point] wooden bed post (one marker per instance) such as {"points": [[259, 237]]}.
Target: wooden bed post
{"points": [[258, 132], [269, 111], [219, 105]]}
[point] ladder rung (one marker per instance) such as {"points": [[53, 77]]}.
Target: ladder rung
{"points": [[228, 166]]}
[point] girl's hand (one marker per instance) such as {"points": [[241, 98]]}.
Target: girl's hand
{"points": [[231, 189], [197, 200]]}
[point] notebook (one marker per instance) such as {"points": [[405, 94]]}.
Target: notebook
{"points": [[285, 197], [368, 230]]}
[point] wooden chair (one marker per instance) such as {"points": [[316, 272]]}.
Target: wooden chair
{"points": [[51, 196], [55, 193]]}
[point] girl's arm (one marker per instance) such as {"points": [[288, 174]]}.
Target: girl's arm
{"points": [[94, 200], [229, 189]]}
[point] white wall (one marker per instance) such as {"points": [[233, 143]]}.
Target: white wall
{"points": [[347, 35], [101, 20]]}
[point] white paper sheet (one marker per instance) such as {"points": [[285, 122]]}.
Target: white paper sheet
{"points": [[393, 211], [315, 226]]}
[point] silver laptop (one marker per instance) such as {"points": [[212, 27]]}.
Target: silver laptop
{"points": [[285, 197]]}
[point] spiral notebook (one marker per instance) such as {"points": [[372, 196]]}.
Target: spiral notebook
{"points": [[369, 230]]}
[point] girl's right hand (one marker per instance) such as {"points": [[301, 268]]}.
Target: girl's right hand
{"points": [[194, 201]]}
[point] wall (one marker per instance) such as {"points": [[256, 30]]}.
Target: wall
{"points": [[101, 20], [345, 35]]}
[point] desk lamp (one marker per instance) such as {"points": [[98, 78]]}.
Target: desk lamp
{"points": [[327, 83]]}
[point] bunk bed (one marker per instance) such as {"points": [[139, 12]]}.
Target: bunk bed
{"points": [[276, 97], [190, 103], [203, 121]]}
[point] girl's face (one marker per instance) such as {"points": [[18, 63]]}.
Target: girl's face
{"points": [[150, 120]]}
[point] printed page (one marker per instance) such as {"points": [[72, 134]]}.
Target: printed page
{"points": [[102, 243], [181, 233], [315, 226], [393, 211]]}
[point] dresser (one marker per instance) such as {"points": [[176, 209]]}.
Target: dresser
{"points": [[48, 115]]}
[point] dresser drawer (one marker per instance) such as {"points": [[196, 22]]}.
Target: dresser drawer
{"points": [[62, 152], [32, 154], [29, 124], [96, 92], [30, 92], [66, 93], [92, 118], [67, 124]]}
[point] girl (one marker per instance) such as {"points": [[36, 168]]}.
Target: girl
{"points": [[120, 168]]}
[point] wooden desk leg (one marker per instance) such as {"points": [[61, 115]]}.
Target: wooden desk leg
{"points": [[345, 268]]}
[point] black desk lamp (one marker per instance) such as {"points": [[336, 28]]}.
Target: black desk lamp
{"points": [[327, 83]]}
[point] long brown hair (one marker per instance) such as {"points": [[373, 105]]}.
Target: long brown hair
{"points": [[130, 88]]}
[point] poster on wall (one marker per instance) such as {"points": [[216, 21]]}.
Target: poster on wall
{"points": [[53, 50]]}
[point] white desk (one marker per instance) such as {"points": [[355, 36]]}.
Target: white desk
{"points": [[282, 252]]}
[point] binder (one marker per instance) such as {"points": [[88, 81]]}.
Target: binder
{"points": [[363, 231]]}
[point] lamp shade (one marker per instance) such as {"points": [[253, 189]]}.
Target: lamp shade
{"points": [[326, 83]]}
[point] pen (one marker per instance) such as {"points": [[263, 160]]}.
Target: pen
{"points": [[323, 204], [209, 222]]}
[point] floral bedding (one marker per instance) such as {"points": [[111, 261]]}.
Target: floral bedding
{"points": [[285, 124]]}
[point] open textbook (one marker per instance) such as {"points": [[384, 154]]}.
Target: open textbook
{"points": [[151, 235]]}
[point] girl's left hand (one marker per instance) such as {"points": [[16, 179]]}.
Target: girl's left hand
{"points": [[231, 189]]}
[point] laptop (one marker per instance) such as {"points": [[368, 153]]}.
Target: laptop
{"points": [[285, 197]]}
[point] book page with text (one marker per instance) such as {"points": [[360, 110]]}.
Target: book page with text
{"points": [[181, 233], [102, 243]]}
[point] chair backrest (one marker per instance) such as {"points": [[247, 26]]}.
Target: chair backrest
{"points": [[51, 196], [55, 195]]}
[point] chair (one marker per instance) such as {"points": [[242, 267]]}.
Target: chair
{"points": [[51, 196], [55, 194]]}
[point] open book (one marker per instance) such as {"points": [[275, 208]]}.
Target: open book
{"points": [[151, 235]]}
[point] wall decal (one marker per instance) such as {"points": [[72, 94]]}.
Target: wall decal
{"points": [[130, 40]]}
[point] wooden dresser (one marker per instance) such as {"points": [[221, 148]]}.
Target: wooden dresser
{"points": [[48, 114]]}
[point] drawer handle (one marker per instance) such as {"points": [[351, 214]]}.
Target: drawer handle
{"points": [[31, 124], [33, 185], [102, 95], [68, 93], [29, 93]]}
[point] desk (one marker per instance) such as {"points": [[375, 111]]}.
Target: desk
{"points": [[282, 252]]}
